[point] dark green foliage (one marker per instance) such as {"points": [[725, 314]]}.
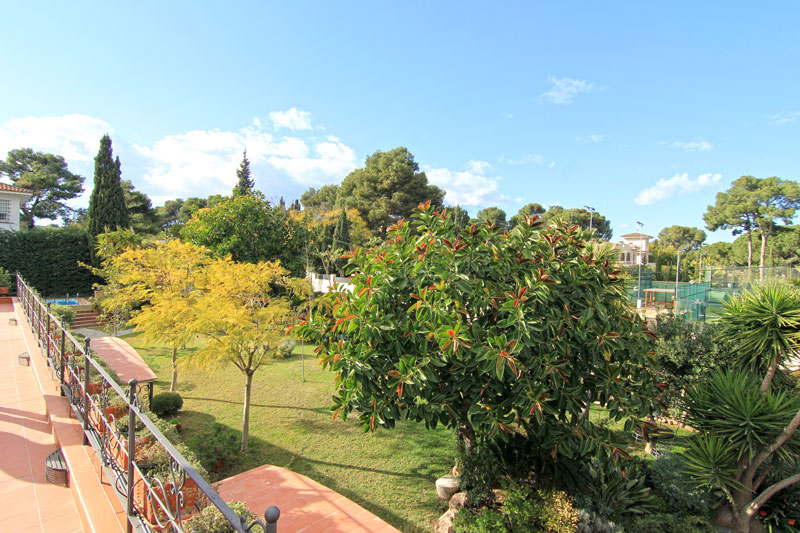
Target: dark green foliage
{"points": [[251, 230], [341, 239], [325, 198], [686, 353], [389, 187], [211, 520], [62, 313], [166, 404], [667, 477], [615, 489], [48, 177], [582, 218], [785, 505], [668, 523], [217, 447], [107, 211], [460, 216], [245, 185], [481, 472], [48, 259], [494, 215], [682, 237], [485, 521], [529, 210], [143, 218]]}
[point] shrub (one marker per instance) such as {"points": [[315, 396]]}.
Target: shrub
{"points": [[48, 259], [166, 404], [615, 489], [211, 520], [534, 511], [5, 278], [480, 473], [486, 521], [216, 448], [61, 312], [667, 477], [286, 347], [668, 523]]}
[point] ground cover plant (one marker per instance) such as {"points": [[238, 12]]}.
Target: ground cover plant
{"points": [[391, 474]]}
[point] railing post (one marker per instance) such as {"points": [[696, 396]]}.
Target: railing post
{"points": [[271, 519], [61, 359], [47, 333], [131, 449], [86, 366]]}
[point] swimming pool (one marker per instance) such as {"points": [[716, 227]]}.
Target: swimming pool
{"points": [[63, 301]]}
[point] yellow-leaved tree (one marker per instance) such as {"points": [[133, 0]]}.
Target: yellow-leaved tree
{"points": [[242, 310], [161, 277]]}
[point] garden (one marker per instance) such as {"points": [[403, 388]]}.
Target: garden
{"points": [[511, 358]]}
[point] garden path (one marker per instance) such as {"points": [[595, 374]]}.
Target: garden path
{"points": [[305, 505]]}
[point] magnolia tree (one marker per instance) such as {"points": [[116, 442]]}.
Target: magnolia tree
{"points": [[488, 332]]}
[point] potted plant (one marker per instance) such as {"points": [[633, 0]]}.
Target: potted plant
{"points": [[5, 280]]}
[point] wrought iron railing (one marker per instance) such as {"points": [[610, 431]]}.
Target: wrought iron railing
{"points": [[160, 494]]}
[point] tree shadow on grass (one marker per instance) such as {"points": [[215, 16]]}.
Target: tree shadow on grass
{"points": [[320, 410]]}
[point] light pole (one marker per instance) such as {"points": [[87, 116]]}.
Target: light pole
{"points": [[591, 216], [639, 286]]}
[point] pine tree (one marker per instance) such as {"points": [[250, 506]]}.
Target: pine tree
{"points": [[341, 238], [107, 211], [245, 184], [295, 206]]}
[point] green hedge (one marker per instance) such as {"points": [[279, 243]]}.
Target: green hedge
{"points": [[48, 259]]}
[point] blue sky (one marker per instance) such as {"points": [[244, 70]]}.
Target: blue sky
{"points": [[640, 110]]}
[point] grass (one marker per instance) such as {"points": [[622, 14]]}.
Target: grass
{"points": [[670, 439], [389, 472]]}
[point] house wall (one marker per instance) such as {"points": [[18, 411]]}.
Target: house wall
{"points": [[9, 218]]}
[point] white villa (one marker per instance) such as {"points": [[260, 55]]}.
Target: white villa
{"points": [[632, 247], [11, 198]]}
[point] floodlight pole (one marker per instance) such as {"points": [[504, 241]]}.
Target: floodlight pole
{"points": [[591, 216], [677, 279]]}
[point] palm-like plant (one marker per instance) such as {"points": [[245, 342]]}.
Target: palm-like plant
{"points": [[746, 427], [764, 325]]}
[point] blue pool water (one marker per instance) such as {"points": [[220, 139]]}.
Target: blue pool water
{"points": [[62, 301]]}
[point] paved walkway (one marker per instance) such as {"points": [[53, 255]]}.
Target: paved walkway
{"points": [[29, 502], [306, 506]]}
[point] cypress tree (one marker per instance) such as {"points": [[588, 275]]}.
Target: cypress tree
{"points": [[245, 185], [107, 211]]}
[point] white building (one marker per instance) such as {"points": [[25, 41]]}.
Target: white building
{"points": [[631, 247], [11, 198]]}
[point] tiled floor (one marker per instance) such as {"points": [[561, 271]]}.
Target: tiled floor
{"points": [[305, 505], [28, 501]]}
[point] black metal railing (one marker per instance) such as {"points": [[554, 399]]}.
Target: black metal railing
{"points": [[156, 484]]}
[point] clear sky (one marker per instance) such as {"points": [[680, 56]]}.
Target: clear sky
{"points": [[642, 110]]}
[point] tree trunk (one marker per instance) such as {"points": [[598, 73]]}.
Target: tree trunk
{"points": [[246, 413], [173, 382], [467, 436], [749, 252], [763, 254]]}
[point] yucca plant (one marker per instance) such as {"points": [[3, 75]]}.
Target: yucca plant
{"points": [[747, 425]]}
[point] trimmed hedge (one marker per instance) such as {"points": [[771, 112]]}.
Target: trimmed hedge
{"points": [[48, 259]]}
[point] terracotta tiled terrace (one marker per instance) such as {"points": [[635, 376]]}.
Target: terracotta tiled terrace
{"points": [[35, 421]]}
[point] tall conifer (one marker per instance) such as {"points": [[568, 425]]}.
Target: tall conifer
{"points": [[107, 211], [245, 185]]}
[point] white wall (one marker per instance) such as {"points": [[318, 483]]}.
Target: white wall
{"points": [[321, 282], [12, 223]]}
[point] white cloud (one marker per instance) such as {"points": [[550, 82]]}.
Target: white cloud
{"points": [[76, 137], [622, 226], [784, 117], [694, 146], [469, 187], [292, 119], [590, 139], [207, 159], [564, 90], [507, 115], [679, 184], [536, 159]]}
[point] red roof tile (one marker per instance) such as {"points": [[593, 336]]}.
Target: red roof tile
{"points": [[5, 187]]}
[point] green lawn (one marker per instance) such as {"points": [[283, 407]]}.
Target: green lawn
{"points": [[391, 472]]}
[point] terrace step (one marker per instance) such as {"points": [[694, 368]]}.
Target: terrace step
{"points": [[98, 506]]}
